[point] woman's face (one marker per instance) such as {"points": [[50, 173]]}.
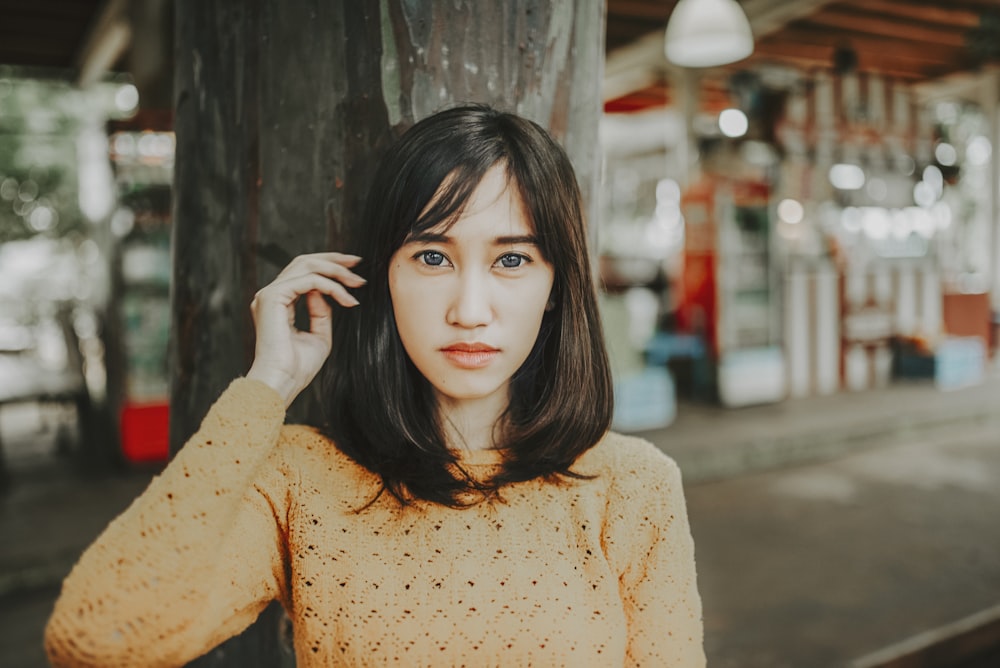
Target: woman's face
{"points": [[469, 301]]}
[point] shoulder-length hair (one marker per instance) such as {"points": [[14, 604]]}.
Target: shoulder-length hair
{"points": [[381, 411]]}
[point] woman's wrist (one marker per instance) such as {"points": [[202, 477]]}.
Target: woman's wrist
{"points": [[277, 380]]}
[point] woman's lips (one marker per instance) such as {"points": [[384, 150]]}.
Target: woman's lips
{"points": [[470, 355]]}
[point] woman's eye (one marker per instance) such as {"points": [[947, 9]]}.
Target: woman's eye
{"points": [[432, 258], [512, 260]]}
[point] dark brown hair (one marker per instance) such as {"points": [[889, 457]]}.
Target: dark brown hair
{"points": [[380, 410]]}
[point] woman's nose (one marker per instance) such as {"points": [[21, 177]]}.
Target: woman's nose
{"points": [[470, 304]]}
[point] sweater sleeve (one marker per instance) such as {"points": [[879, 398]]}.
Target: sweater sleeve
{"points": [[195, 558], [656, 555]]}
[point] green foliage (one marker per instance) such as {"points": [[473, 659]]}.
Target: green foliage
{"points": [[39, 124]]}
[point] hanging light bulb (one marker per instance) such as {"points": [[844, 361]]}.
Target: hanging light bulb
{"points": [[706, 33]]}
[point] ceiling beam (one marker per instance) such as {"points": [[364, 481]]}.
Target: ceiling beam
{"points": [[642, 62], [634, 67], [806, 36], [769, 16], [938, 15], [960, 85], [879, 26], [885, 62], [108, 39], [642, 11]]}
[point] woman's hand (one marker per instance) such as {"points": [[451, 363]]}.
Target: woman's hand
{"points": [[285, 357]]}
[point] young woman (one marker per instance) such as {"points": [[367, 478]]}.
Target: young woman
{"points": [[465, 503]]}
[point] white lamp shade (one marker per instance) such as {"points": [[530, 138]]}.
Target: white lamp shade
{"points": [[706, 33]]}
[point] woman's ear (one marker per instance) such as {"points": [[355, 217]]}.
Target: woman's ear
{"points": [[551, 304]]}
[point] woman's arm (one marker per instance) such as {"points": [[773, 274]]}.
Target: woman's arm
{"points": [[195, 558], [658, 580], [200, 553]]}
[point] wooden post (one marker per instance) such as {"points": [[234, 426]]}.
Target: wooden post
{"points": [[990, 102], [280, 110]]}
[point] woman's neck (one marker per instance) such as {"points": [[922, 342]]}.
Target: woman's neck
{"points": [[470, 424]]}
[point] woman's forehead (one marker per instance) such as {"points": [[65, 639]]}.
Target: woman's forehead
{"points": [[495, 203], [501, 221]]}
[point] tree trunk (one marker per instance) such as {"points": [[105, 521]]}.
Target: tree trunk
{"points": [[282, 107]]}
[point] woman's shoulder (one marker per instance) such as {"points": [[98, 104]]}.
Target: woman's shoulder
{"points": [[306, 452], [307, 441], [630, 460]]}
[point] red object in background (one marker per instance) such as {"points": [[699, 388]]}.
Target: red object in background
{"points": [[700, 304], [696, 310], [967, 315], [145, 432]]}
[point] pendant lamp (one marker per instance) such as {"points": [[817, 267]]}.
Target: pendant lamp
{"points": [[706, 33]]}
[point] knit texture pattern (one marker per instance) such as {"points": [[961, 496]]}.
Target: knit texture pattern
{"points": [[584, 573]]}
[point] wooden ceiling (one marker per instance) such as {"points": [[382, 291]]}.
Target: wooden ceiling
{"points": [[910, 40], [46, 34], [916, 41]]}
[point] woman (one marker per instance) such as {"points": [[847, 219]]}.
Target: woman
{"points": [[465, 504]]}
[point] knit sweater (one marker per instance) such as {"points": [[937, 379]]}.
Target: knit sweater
{"points": [[595, 572]]}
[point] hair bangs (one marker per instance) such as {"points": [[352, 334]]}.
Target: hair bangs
{"points": [[450, 198]]}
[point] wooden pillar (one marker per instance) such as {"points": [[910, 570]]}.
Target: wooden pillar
{"points": [[280, 110], [990, 102], [687, 83]]}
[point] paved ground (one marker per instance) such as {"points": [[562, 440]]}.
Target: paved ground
{"points": [[821, 564], [824, 529]]}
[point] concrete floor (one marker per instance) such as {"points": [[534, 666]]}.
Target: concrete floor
{"points": [[818, 565]]}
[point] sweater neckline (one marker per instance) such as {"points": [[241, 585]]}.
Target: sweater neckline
{"points": [[491, 457]]}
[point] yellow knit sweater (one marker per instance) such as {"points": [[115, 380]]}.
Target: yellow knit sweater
{"points": [[590, 573]]}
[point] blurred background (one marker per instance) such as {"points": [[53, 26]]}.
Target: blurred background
{"points": [[798, 243]]}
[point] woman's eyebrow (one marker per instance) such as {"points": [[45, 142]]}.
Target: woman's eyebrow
{"points": [[428, 238], [521, 239], [439, 238]]}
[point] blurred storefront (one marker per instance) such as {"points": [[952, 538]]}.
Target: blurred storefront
{"points": [[772, 232], [84, 268], [142, 154]]}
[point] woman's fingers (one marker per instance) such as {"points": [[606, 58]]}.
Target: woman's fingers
{"points": [[285, 358], [319, 313], [332, 265], [285, 292]]}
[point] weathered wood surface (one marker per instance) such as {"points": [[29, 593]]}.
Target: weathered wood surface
{"points": [[281, 107]]}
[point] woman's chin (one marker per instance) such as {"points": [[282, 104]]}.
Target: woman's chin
{"points": [[470, 393]]}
